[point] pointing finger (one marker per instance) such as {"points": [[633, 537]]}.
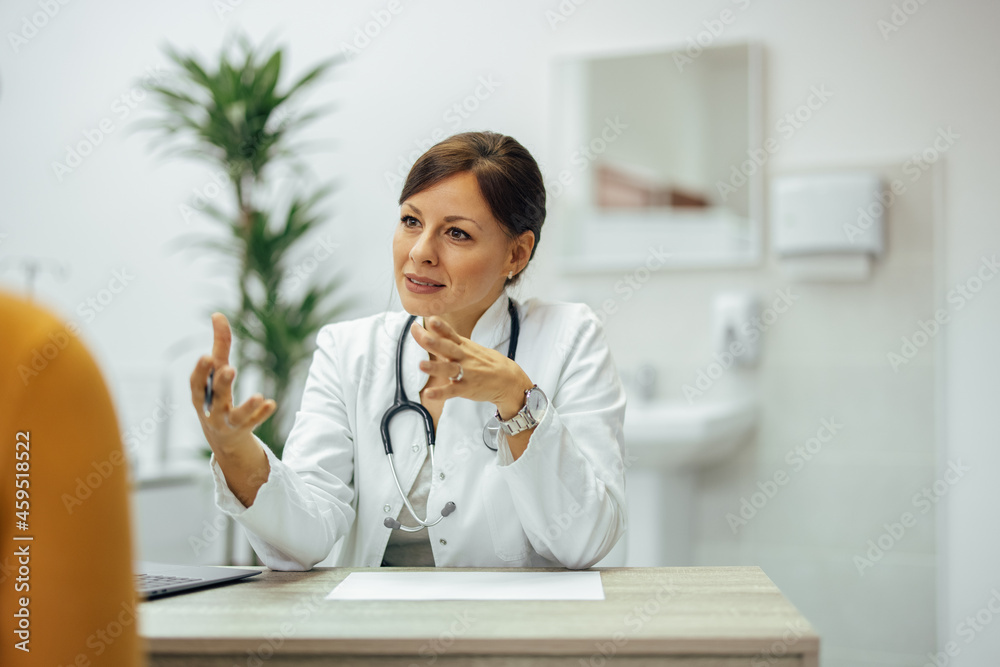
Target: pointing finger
{"points": [[223, 339]]}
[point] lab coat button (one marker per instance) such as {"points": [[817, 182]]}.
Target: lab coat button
{"points": [[416, 447], [387, 508], [441, 475], [444, 541]]}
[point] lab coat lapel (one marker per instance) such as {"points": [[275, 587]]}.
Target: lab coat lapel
{"points": [[493, 328], [414, 379]]}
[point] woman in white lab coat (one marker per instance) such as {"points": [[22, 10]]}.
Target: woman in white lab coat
{"points": [[550, 491]]}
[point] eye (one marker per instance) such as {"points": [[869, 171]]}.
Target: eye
{"points": [[462, 235]]}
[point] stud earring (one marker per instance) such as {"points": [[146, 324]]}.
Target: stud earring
{"points": [[510, 274]]}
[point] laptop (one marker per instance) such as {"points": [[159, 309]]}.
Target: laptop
{"points": [[156, 580]]}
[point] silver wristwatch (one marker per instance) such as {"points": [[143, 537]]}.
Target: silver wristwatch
{"points": [[535, 404]]}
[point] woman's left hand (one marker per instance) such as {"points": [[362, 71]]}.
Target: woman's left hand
{"points": [[487, 375]]}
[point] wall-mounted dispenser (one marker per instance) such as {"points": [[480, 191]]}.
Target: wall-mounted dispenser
{"points": [[733, 330], [828, 226]]}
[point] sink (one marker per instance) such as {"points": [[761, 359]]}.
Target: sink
{"points": [[669, 435], [669, 441]]}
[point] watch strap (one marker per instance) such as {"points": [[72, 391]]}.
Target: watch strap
{"points": [[521, 421]]}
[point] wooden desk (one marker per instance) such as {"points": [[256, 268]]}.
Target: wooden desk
{"points": [[705, 616]]}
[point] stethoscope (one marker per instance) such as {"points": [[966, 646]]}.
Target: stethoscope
{"points": [[401, 403]]}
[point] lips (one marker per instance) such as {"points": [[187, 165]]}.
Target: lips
{"points": [[422, 280]]}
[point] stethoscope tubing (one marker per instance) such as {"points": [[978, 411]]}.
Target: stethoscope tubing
{"points": [[401, 403]]}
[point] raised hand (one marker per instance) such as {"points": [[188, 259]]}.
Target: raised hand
{"points": [[228, 429]]}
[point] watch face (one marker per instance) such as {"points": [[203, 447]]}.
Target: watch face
{"points": [[536, 403], [490, 432]]}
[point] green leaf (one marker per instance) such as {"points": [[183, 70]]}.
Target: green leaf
{"points": [[310, 77], [231, 113], [268, 77]]}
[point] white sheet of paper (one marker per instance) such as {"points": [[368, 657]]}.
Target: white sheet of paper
{"points": [[469, 586]]}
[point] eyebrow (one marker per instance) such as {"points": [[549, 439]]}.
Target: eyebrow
{"points": [[450, 218]]}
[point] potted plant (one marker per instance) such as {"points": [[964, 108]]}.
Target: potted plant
{"points": [[237, 117]]}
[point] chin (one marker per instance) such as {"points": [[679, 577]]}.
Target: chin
{"points": [[416, 304], [414, 308]]}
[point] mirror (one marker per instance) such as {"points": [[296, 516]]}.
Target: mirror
{"points": [[654, 150]]}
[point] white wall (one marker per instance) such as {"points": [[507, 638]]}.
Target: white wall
{"points": [[118, 209]]}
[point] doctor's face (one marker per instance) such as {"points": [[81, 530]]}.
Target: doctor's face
{"points": [[448, 237]]}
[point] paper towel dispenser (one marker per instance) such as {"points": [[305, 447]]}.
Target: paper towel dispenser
{"points": [[827, 225]]}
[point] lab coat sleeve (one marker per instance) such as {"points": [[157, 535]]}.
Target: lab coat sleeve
{"points": [[568, 487], [305, 506]]}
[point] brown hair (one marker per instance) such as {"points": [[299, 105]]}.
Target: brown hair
{"points": [[508, 177]]}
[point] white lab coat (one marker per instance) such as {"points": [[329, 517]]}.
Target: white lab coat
{"points": [[561, 504]]}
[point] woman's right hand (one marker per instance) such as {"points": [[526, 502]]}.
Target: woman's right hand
{"points": [[228, 429]]}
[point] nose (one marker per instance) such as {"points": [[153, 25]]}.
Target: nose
{"points": [[423, 249]]}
